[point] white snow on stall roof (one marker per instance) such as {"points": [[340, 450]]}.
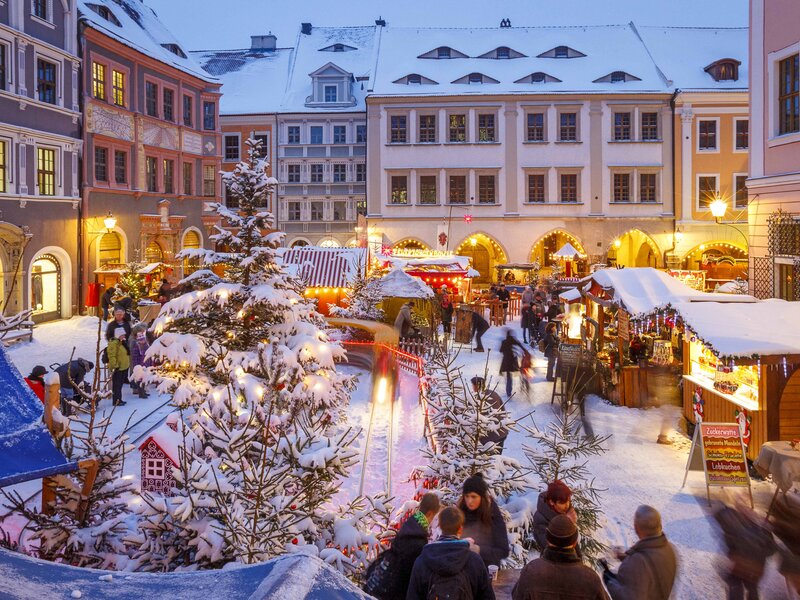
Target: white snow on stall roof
{"points": [[683, 53], [399, 284], [170, 441], [764, 328], [139, 28], [455, 261]]}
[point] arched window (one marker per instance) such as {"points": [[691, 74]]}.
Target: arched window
{"points": [[191, 241], [110, 249], [153, 253]]}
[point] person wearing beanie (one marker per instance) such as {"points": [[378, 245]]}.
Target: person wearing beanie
{"points": [[559, 573], [119, 361], [35, 381], [556, 500], [484, 525]]}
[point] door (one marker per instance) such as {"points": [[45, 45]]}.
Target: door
{"points": [[46, 289]]}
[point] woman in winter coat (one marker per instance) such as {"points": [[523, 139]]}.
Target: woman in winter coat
{"points": [[446, 304], [484, 526], [509, 365], [550, 349], [556, 500], [35, 381], [119, 361], [139, 346]]}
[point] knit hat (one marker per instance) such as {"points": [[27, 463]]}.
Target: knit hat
{"points": [[561, 532], [476, 485], [38, 371], [119, 332], [558, 491]]}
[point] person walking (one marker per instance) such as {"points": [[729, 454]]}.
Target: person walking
{"points": [[448, 568], [388, 576], [526, 322], [483, 523], [479, 327], [446, 307], [559, 574], [403, 322], [509, 364], [550, 344], [497, 437], [504, 296], [648, 568], [106, 301], [119, 361], [138, 347], [556, 500], [35, 381], [527, 296]]}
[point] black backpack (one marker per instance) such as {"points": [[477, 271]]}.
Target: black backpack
{"points": [[449, 587], [381, 575]]}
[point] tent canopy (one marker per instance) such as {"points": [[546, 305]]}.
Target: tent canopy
{"points": [[567, 251], [325, 267], [27, 450]]}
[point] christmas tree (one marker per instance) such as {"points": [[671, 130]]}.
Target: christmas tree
{"points": [[362, 299], [132, 282]]}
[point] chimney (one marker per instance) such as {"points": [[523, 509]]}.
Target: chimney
{"points": [[305, 28], [263, 42], [380, 22]]}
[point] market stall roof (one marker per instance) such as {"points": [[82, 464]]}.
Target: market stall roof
{"points": [[644, 290], [325, 267], [518, 266], [451, 262], [399, 284], [734, 330], [27, 450], [294, 576], [571, 295], [567, 251]]}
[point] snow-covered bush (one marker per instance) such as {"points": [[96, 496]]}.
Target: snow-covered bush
{"points": [[362, 299]]}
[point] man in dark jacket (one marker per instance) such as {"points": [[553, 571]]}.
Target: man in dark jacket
{"points": [[559, 573], [493, 398], [106, 301], [504, 296], [479, 327], [648, 568], [449, 566], [121, 319], [70, 376], [551, 350]]}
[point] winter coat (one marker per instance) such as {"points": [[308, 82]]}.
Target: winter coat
{"points": [[542, 517], [112, 326], [406, 548], [37, 385], [403, 322], [446, 304], [509, 364], [106, 300], [500, 435], [446, 557], [559, 575], [552, 312], [503, 295], [749, 544], [492, 538], [138, 350], [647, 571], [527, 297], [526, 317], [75, 370], [118, 357], [550, 345], [479, 324]]}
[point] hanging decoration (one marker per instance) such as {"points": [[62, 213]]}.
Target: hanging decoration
{"points": [[744, 420], [698, 406]]}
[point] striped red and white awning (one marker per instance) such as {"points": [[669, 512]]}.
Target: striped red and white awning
{"points": [[326, 267]]}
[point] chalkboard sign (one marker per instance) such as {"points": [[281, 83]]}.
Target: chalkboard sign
{"points": [[569, 355]]}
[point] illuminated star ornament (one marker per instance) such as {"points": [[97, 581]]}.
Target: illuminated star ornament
{"points": [[468, 219]]}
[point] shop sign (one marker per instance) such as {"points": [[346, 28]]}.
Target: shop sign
{"points": [[623, 325], [569, 355]]}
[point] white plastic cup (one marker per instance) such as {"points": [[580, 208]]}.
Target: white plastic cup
{"points": [[493, 572]]}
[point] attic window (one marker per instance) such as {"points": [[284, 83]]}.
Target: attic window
{"points": [[561, 52], [414, 79], [726, 69], [503, 52], [618, 77], [175, 49], [538, 77], [338, 47], [105, 13], [475, 78], [443, 52]]}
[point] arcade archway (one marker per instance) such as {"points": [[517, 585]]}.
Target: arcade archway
{"points": [[546, 246], [721, 261], [634, 248], [410, 244], [485, 253]]}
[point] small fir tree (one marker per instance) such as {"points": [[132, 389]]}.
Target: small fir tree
{"points": [[132, 283], [362, 299]]}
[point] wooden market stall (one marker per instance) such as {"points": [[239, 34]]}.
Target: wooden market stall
{"points": [[436, 269], [398, 287]]}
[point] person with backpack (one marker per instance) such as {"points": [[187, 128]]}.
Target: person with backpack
{"points": [[556, 500], [448, 568], [388, 576], [484, 525], [119, 361]]}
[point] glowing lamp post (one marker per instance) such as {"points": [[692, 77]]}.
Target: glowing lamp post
{"points": [[718, 208], [110, 221]]}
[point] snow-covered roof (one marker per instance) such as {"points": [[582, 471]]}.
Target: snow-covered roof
{"points": [[567, 251], [450, 262], [137, 26], [170, 440], [683, 53], [253, 81], [325, 267], [570, 295], [763, 328], [399, 284]]}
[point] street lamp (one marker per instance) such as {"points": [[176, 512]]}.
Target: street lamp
{"points": [[110, 221], [718, 208]]}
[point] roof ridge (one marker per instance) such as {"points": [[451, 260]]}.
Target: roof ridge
{"points": [[703, 27], [596, 26]]}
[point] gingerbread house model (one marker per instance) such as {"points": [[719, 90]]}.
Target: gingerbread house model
{"points": [[160, 453]]}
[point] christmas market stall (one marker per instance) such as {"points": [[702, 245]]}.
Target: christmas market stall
{"points": [[741, 364], [398, 287], [437, 269], [326, 272], [518, 274]]}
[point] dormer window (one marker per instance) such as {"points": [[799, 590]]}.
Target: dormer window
{"points": [[338, 47], [617, 77], [726, 69], [443, 52], [330, 93], [331, 86], [105, 13], [476, 78], [415, 79], [561, 52], [538, 77], [175, 49], [503, 52]]}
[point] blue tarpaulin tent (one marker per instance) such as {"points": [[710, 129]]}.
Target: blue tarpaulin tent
{"points": [[27, 450]]}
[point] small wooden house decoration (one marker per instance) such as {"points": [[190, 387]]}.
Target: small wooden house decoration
{"points": [[160, 454]]}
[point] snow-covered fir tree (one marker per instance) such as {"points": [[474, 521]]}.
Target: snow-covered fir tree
{"points": [[131, 282], [362, 299]]}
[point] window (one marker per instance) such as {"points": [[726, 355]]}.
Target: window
{"points": [[486, 189], [398, 129], [786, 283], [118, 87], [293, 212], [649, 126], [263, 149], [458, 189], [187, 111], [561, 52], [706, 190], [3, 166], [475, 78], [622, 126], [151, 175], [339, 173], [399, 189], [361, 134], [741, 191], [169, 176], [707, 134], [293, 134], [568, 127], [188, 178], [120, 167], [361, 207], [293, 173], [535, 127], [316, 134], [3, 66], [458, 128], [443, 52], [340, 211], [503, 52], [486, 131], [209, 116], [209, 181], [231, 147], [742, 134], [789, 95], [427, 189], [39, 9], [414, 79], [427, 128], [169, 105], [618, 77], [538, 77], [569, 187], [361, 172], [330, 93], [536, 187], [647, 187], [101, 164], [339, 134], [151, 99], [315, 173], [155, 468], [46, 171], [46, 81], [317, 211], [98, 81], [622, 187]]}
